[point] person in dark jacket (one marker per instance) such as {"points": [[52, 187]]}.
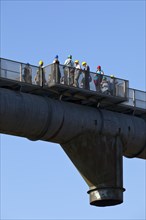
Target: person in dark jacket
{"points": [[86, 76], [56, 70]]}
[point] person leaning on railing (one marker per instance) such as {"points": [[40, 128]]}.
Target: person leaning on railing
{"points": [[40, 78]]}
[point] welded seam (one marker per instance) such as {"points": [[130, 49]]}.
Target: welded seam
{"points": [[45, 129], [58, 130]]}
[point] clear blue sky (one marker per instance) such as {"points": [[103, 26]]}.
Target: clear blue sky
{"points": [[38, 181]]}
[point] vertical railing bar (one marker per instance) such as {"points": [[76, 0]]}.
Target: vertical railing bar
{"points": [[20, 72], [134, 101]]}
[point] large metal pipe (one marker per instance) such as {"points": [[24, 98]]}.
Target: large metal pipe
{"points": [[42, 118], [95, 140]]}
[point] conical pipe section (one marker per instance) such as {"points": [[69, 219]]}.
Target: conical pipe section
{"points": [[99, 160]]}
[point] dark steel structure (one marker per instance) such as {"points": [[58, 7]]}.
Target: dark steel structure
{"points": [[95, 129]]}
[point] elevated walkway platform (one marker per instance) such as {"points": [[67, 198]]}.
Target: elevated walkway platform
{"points": [[59, 84]]}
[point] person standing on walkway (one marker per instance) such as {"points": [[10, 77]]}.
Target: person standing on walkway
{"points": [[27, 76], [77, 73], [40, 78], [56, 69], [86, 76], [98, 78], [69, 71]]}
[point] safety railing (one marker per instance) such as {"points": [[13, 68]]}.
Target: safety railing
{"points": [[54, 74], [72, 77], [17, 71], [136, 99]]}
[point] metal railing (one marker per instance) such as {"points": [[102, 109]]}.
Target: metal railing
{"points": [[54, 74], [20, 72], [72, 77], [136, 99]]}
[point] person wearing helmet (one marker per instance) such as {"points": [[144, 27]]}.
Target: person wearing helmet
{"points": [[27, 76], [68, 61], [99, 70], [56, 59], [40, 78], [98, 78], [77, 73], [86, 76], [105, 86], [112, 84], [69, 71], [56, 70], [41, 63], [76, 62]]}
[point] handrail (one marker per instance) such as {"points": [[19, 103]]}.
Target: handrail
{"points": [[135, 101], [18, 62], [14, 70]]}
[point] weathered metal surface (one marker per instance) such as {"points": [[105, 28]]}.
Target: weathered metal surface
{"points": [[106, 196], [37, 117], [94, 139], [99, 160]]}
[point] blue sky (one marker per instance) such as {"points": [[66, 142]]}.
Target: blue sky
{"points": [[38, 181]]}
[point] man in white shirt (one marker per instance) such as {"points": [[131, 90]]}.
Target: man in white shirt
{"points": [[77, 73], [69, 71]]}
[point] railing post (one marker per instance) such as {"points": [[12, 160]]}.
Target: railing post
{"points": [[68, 76], [20, 72], [114, 87], [57, 73], [0, 67], [134, 102], [126, 88], [42, 76]]}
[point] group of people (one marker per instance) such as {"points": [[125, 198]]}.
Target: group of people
{"points": [[72, 71]]}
